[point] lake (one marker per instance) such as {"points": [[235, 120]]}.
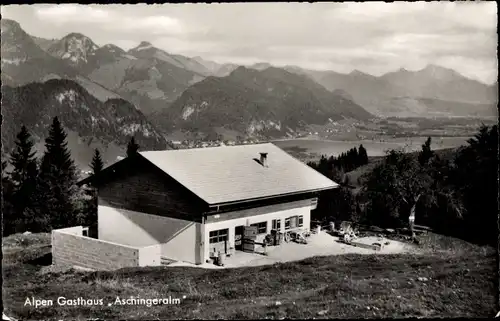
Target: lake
{"points": [[373, 148]]}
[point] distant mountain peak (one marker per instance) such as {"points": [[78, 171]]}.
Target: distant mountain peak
{"points": [[11, 26], [432, 67], [358, 73], [439, 71], [17, 45], [75, 35], [291, 67], [113, 48], [261, 65], [10, 22], [75, 48], [240, 69], [143, 45]]}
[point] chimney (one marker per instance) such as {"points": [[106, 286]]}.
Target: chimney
{"points": [[263, 159]]}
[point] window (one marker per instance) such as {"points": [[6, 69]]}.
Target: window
{"points": [[314, 203], [293, 222], [261, 227], [277, 224], [218, 236]]}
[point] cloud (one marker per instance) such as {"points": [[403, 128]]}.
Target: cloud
{"points": [[371, 36], [61, 14], [153, 25], [105, 19]]}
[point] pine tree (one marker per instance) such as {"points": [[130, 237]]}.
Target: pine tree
{"points": [[24, 178], [58, 177], [354, 159], [57, 157], [8, 215], [97, 164], [363, 155], [22, 156], [426, 153], [132, 147]]}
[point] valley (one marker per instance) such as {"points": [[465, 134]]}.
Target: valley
{"points": [[307, 149], [175, 101], [249, 161]]}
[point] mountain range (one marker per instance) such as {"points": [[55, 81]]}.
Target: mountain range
{"points": [[89, 122], [270, 102], [167, 92], [425, 93]]}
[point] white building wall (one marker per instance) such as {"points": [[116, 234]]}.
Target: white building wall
{"points": [[180, 240], [261, 214], [185, 246]]}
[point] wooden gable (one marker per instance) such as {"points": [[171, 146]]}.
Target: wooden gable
{"points": [[137, 185]]}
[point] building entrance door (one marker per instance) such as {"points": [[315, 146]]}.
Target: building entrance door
{"points": [[238, 237]]}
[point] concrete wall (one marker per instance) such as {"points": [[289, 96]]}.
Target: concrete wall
{"points": [[185, 246], [261, 214], [150, 255], [71, 249], [74, 230], [180, 240]]}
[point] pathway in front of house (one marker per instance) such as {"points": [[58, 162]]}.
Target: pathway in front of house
{"points": [[322, 244]]}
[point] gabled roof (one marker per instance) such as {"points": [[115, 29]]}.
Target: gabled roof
{"points": [[232, 173]]}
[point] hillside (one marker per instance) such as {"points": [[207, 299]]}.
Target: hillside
{"points": [[43, 43], [451, 278], [225, 70], [146, 50], [149, 83], [90, 123], [272, 103], [216, 69]]}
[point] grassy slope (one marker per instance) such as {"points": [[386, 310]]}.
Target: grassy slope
{"points": [[461, 282]]}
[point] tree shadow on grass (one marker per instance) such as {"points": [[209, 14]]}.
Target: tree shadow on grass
{"points": [[44, 260]]}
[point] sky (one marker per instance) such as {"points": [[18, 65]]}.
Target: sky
{"points": [[373, 37]]}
